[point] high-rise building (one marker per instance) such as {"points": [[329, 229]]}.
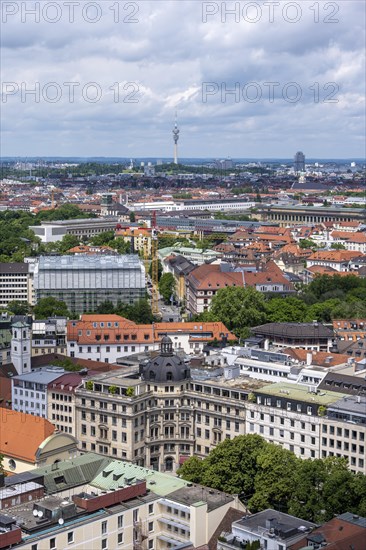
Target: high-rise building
{"points": [[299, 162]]}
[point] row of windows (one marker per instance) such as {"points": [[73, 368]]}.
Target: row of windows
{"points": [[29, 404], [32, 394], [343, 431], [107, 349], [290, 406], [289, 421], [106, 336], [57, 407], [61, 397], [62, 418], [345, 445]]}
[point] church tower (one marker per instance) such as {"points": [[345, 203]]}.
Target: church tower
{"points": [[21, 347]]}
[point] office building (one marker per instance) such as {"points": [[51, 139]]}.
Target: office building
{"points": [[16, 283], [50, 232], [299, 162], [84, 282]]}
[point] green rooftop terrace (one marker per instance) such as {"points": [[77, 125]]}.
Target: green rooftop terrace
{"points": [[117, 473], [300, 393]]}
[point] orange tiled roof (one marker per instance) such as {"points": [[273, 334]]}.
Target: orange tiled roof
{"points": [[351, 236], [334, 255], [22, 434], [326, 270], [129, 332], [210, 276]]}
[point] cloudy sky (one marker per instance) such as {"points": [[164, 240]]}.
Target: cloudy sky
{"points": [[258, 79]]}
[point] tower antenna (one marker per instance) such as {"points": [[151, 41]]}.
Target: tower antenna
{"points": [[175, 139]]}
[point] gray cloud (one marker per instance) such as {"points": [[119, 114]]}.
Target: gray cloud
{"points": [[168, 54]]}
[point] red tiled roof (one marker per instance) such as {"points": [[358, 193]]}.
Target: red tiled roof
{"points": [[131, 333], [22, 434]]}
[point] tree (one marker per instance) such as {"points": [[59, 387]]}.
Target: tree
{"points": [[337, 487], [50, 307], [68, 242], [233, 465], [230, 467], [337, 246], [307, 243], [167, 286], [67, 364], [64, 212], [103, 239], [106, 308], [307, 501], [192, 469], [160, 270], [122, 246], [132, 217], [274, 482], [17, 307], [238, 308], [286, 310]]}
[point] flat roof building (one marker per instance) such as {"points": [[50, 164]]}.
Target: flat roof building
{"points": [[84, 282]]}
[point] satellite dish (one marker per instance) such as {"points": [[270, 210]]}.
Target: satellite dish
{"points": [[61, 521], [35, 512], [40, 514]]}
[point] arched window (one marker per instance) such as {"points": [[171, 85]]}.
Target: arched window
{"points": [[168, 464], [152, 375], [15, 334], [169, 376]]}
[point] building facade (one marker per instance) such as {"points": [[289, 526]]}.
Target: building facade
{"points": [[160, 415], [94, 502], [84, 282], [50, 232], [29, 391], [110, 337], [16, 283]]}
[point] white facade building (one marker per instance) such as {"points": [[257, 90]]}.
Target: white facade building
{"points": [[29, 391]]}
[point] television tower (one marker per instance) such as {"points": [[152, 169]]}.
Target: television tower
{"points": [[175, 138]]}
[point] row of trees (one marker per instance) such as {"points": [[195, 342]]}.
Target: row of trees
{"points": [[139, 312], [324, 299], [265, 475], [18, 241]]}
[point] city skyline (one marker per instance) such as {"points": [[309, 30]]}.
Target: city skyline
{"points": [[120, 92]]}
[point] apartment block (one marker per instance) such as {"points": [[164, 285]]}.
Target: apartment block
{"points": [[16, 283], [49, 336], [29, 391], [92, 502]]}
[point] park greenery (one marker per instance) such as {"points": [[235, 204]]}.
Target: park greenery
{"points": [[266, 475], [324, 299], [18, 241]]}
